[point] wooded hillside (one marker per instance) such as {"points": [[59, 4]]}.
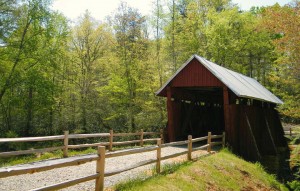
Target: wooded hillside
{"points": [[93, 76]]}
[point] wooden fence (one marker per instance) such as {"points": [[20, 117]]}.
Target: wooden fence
{"points": [[66, 137], [291, 133], [102, 155]]}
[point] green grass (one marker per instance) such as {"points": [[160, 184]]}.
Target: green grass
{"points": [[221, 171], [15, 160], [296, 128], [23, 159]]}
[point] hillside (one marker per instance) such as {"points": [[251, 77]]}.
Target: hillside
{"points": [[220, 171]]}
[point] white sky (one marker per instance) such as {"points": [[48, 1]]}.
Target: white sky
{"points": [[247, 4], [101, 8]]}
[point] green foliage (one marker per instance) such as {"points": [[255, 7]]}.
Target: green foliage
{"points": [[132, 85], [283, 24], [295, 157], [294, 185], [27, 85], [23, 159], [16, 160], [94, 76]]}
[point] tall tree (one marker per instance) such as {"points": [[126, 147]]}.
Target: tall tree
{"points": [[129, 27], [8, 13], [283, 23], [26, 63], [158, 19], [161, 65], [90, 41], [173, 36], [234, 41]]}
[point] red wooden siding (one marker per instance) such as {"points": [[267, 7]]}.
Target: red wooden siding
{"points": [[196, 75], [264, 125], [198, 102]]}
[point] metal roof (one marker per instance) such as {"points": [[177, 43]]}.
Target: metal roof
{"points": [[241, 85]]}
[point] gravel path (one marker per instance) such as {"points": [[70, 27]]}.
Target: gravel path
{"points": [[36, 180]]}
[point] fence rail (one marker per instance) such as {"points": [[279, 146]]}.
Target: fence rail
{"points": [[291, 133], [66, 137], [102, 155]]}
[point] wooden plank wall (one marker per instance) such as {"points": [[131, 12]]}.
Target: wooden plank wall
{"points": [[254, 132], [196, 75], [273, 119], [260, 129]]}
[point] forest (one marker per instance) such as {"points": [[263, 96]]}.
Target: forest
{"points": [[93, 76]]}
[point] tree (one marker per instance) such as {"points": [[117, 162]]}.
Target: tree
{"points": [[8, 13], [158, 25], [25, 65], [129, 29], [90, 42], [161, 64], [234, 41], [283, 24], [188, 28]]}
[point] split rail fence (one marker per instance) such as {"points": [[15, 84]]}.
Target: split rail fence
{"points": [[66, 137], [102, 155], [291, 133]]}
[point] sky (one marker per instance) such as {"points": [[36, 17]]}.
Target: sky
{"points": [[99, 9]]}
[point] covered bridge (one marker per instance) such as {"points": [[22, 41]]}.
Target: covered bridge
{"points": [[203, 96]]}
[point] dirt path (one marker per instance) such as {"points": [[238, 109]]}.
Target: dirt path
{"points": [[36, 180]]}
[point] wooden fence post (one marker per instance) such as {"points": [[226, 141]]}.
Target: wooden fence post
{"points": [[291, 132], [162, 136], [223, 140], [100, 166], [209, 142], [142, 138], [111, 138], [66, 143], [190, 147], [158, 156]]}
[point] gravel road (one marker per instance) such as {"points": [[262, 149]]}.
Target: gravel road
{"points": [[40, 179]]}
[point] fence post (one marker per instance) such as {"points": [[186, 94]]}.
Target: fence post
{"points": [[190, 147], [162, 136], [111, 138], [100, 166], [158, 156], [142, 138], [223, 140], [209, 142], [291, 132], [66, 143]]}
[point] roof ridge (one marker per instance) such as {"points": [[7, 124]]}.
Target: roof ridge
{"points": [[240, 84]]}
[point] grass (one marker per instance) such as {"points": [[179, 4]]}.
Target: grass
{"points": [[221, 171], [15, 160], [23, 159], [295, 157]]}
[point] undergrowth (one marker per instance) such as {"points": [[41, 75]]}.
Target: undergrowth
{"points": [[23, 159]]}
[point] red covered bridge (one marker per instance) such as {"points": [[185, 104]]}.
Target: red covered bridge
{"points": [[203, 96]]}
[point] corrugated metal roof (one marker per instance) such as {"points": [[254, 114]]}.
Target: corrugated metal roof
{"points": [[241, 85]]}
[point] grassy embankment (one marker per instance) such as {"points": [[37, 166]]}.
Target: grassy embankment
{"points": [[294, 144], [220, 171]]}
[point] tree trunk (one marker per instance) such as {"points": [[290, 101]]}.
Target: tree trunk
{"points": [[29, 113], [250, 65], [16, 61], [173, 37]]}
